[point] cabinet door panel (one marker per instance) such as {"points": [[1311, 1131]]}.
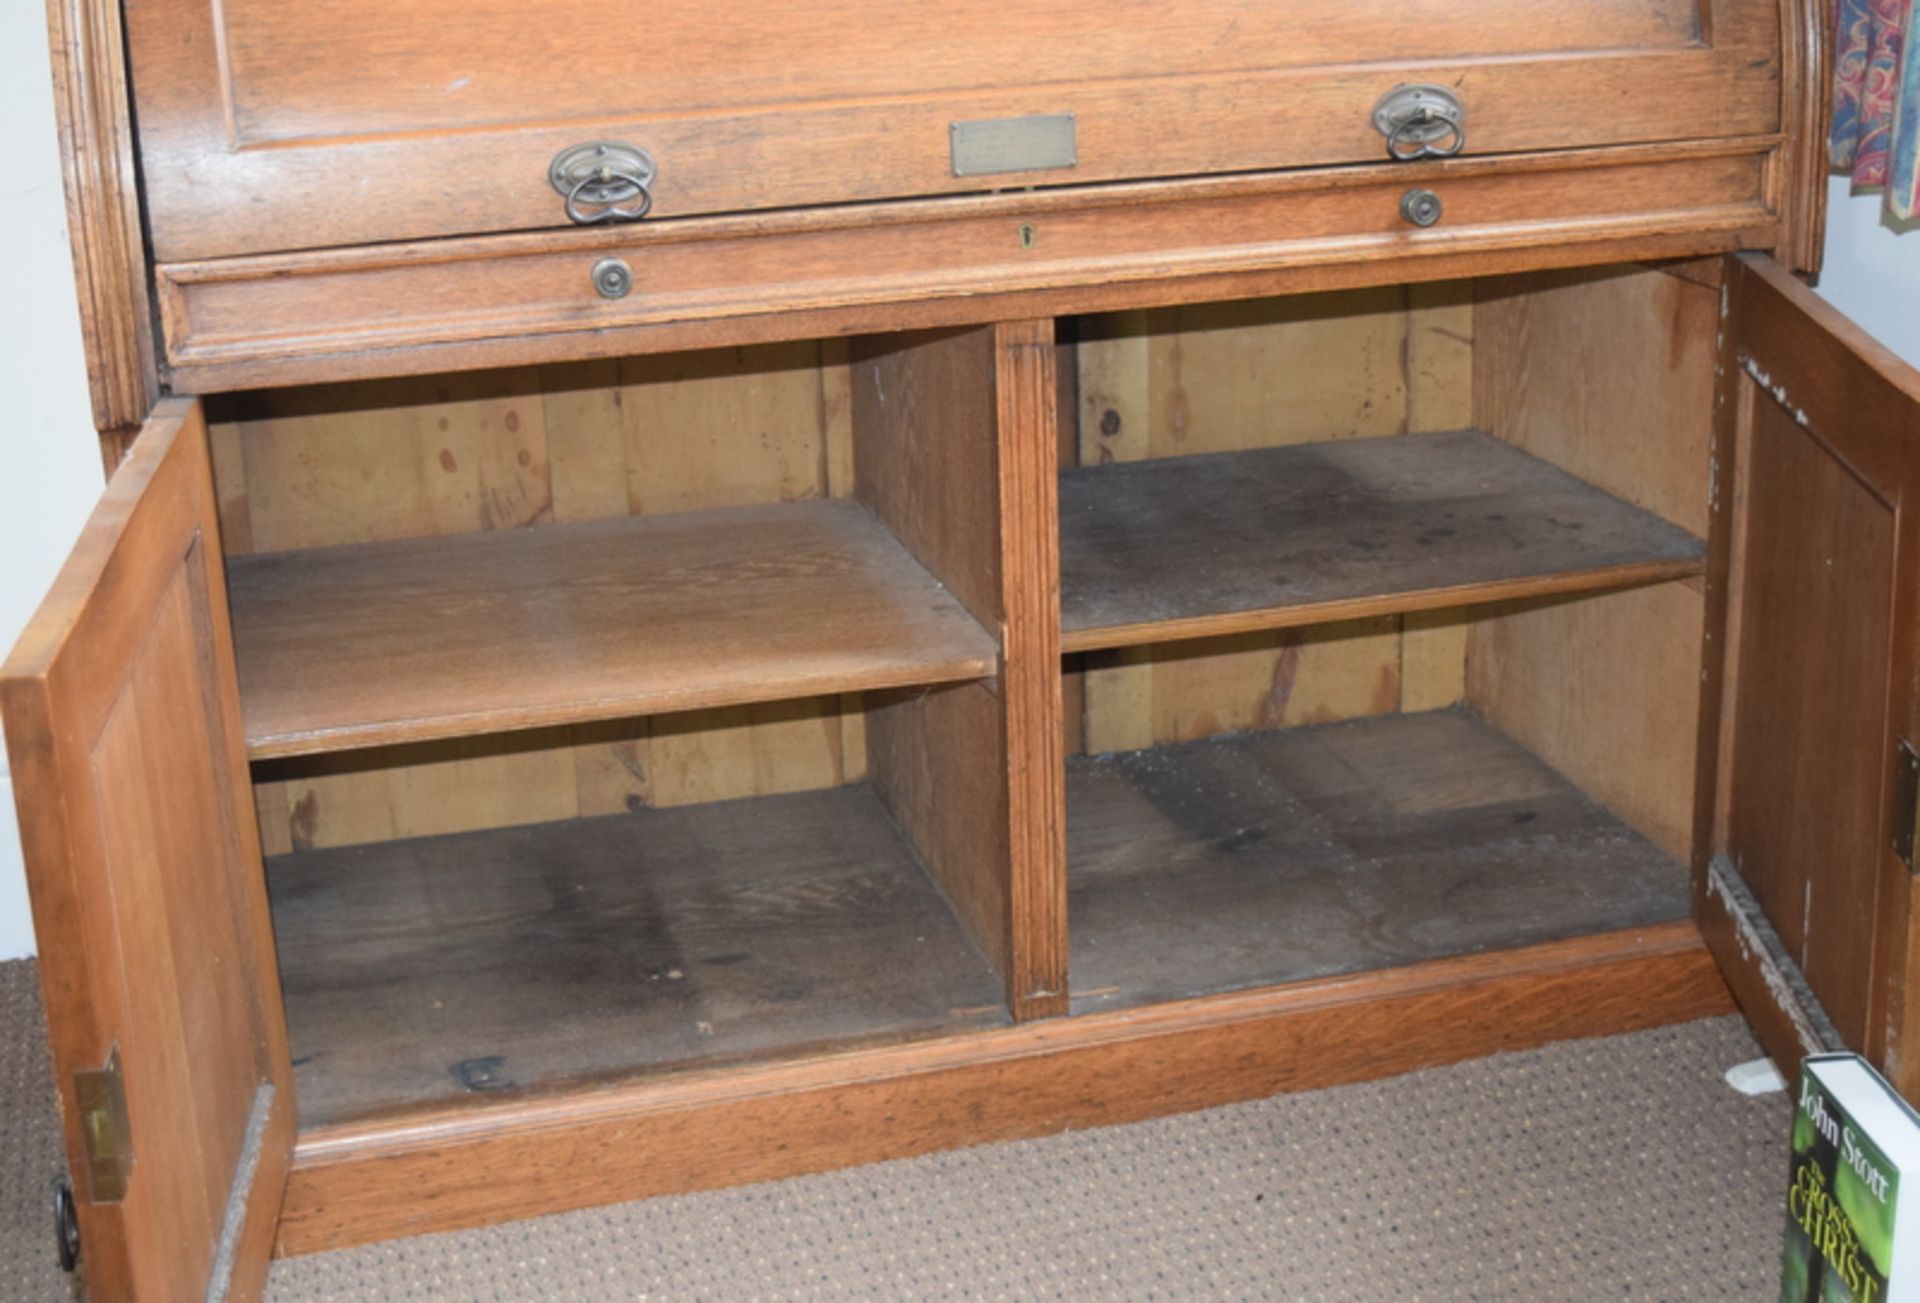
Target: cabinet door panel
{"points": [[272, 126], [156, 953], [1815, 481]]}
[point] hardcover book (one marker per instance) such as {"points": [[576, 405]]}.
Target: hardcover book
{"points": [[1851, 1236]]}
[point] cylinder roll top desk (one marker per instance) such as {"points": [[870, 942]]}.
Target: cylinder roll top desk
{"points": [[696, 593]]}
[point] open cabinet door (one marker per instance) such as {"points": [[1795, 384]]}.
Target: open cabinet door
{"points": [[143, 860], [1804, 889]]}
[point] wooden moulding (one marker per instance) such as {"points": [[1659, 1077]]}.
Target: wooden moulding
{"points": [[1807, 103], [444, 1170], [275, 319], [103, 216]]}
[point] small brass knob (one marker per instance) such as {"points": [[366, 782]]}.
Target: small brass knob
{"points": [[612, 278], [1420, 207]]}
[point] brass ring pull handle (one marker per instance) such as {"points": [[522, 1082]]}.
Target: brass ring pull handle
{"points": [[603, 182], [1421, 121]]}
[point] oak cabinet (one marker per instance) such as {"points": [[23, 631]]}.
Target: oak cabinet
{"points": [[872, 658]]}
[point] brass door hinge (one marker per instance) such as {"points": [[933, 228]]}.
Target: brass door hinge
{"points": [[1906, 802], [101, 1096]]}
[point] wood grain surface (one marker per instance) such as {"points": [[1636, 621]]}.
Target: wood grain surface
{"points": [[1279, 856], [1187, 547], [94, 112], [469, 1167], [420, 457], [852, 269], [1226, 377], [461, 968], [396, 642], [1820, 680], [268, 128], [157, 954], [1607, 373]]}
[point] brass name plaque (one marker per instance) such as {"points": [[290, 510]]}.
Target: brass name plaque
{"points": [[993, 145]]}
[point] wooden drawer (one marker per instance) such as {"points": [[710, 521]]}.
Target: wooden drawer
{"points": [[439, 305], [266, 126]]}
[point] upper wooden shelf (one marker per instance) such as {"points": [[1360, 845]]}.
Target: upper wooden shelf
{"points": [[397, 642], [1191, 547]]}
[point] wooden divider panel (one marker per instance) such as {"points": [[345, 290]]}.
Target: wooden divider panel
{"points": [[956, 450]]}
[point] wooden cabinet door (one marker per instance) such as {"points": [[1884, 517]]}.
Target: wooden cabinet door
{"points": [[1805, 891], [268, 126], [149, 900]]}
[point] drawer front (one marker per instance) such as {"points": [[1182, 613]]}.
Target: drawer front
{"points": [[272, 126], [248, 321]]}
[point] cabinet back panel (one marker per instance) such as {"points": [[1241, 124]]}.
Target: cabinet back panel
{"points": [[1608, 374], [1260, 374], [430, 456]]}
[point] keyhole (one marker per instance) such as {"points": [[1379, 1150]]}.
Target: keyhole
{"points": [[1026, 235]]}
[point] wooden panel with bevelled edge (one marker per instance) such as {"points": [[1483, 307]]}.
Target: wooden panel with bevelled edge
{"points": [[1816, 552], [269, 127], [156, 951]]}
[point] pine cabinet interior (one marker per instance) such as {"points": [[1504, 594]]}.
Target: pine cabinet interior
{"points": [[897, 649], [1354, 671]]}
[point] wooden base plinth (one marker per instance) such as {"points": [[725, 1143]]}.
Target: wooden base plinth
{"points": [[453, 1168]]}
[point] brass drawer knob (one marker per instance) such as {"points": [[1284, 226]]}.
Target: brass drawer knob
{"points": [[1420, 207], [1421, 121], [603, 182], [612, 278]]}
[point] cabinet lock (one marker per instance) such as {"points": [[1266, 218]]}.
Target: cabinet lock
{"points": [[1420, 207], [612, 278]]}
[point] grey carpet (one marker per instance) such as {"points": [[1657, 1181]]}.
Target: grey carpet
{"points": [[1603, 1169]]}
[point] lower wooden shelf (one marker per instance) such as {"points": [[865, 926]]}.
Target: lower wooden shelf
{"points": [[443, 970], [506, 1023], [1260, 858]]}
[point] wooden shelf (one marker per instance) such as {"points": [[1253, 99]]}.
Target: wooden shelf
{"points": [[456, 968], [1191, 547], [1262, 858], [399, 642]]}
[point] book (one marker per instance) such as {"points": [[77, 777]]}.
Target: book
{"points": [[1851, 1238]]}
